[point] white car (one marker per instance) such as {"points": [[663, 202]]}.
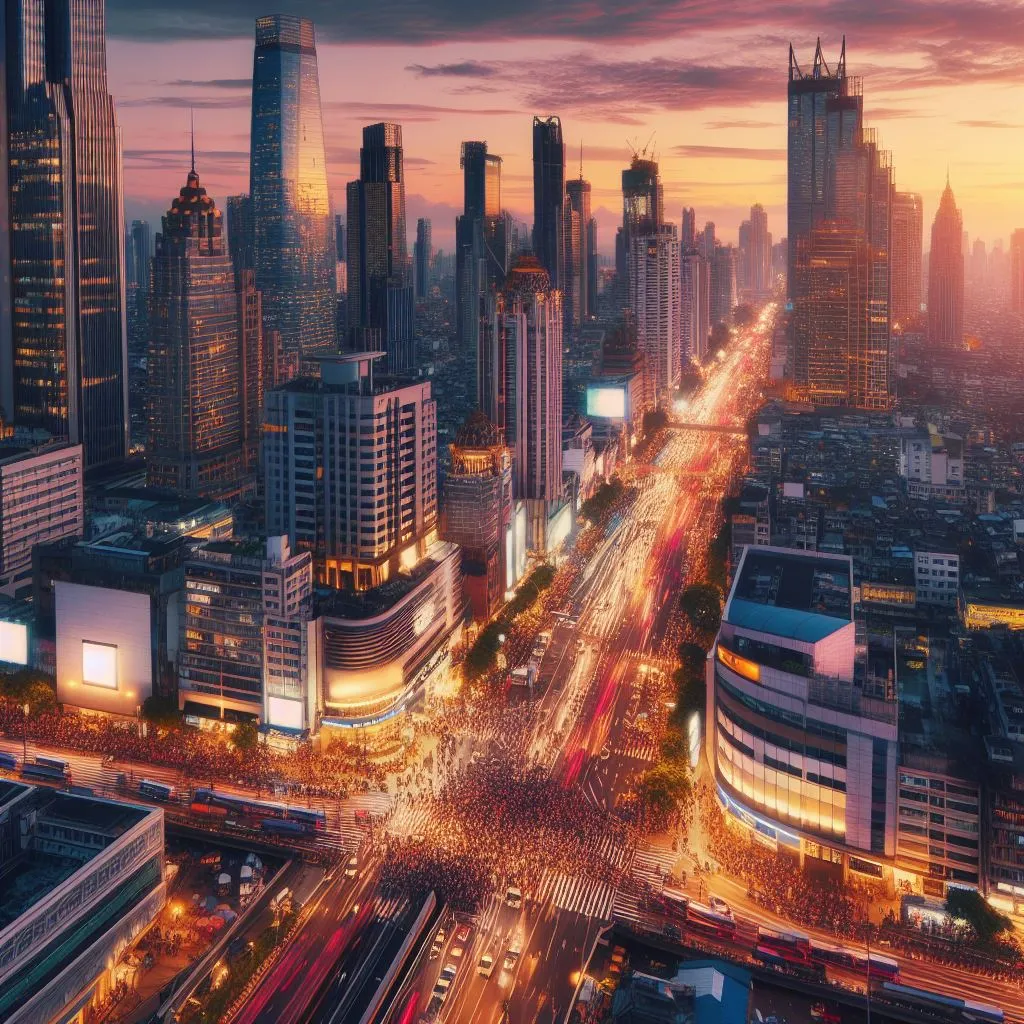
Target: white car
{"points": [[486, 966], [352, 867], [719, 906], [513, 897]]}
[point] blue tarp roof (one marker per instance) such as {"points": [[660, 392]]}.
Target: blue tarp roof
{"points": [[809, 627]]}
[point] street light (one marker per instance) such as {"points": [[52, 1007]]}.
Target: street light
{"points": [[24, 733]]}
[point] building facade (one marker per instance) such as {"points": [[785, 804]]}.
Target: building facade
{"points": [[68, 343], [946, 276], [655, 301], [292, 224], [205, 358], [41, 500], [350, 468], [424, 255], [549, 197], [1017, 271], [695, 305], [380, 290], [907, 256], [802, 742]]}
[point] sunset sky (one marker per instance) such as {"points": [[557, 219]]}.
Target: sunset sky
{"points": [[943, 85]]}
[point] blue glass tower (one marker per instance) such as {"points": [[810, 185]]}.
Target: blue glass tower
{"points": [[293, 228]]}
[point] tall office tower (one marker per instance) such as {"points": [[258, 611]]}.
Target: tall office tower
{"points": [[655, 300], [142, 250], [978, 272], [907, 246], [706, 241], [688, 236], [198, 362], [549, 197], [68, 341], [643, 207], [758, 255], [339, 236], [477, 512], [742, 262], [724, 296], [293, 228], [809, 97], [521, 377], [351, 470], [1017, 271], [830, 310], [380, 293], [695, 308], [139, 253], [482, 241], [241, 237], [424, 253], [946, 275], [581, 236]]}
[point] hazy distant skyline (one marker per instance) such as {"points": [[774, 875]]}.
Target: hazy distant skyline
{"points": [[943, 84]]}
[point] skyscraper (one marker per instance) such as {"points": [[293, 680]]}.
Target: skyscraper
{"points": [[809, 95], [1017, 271], [351, 470], [424, 253], [139, 252], [241, 238], [142, 250], [199, 369], [68, 344], [758, 253], [946, 275], [830, 311], [655, 300], [293, 229], [695, 305], [688, 236], [907, 245], [580, 242], [643, 207], [724, 298], [380, 293], [549, 196]]}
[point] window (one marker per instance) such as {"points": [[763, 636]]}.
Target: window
{"points": [[99, 664]]}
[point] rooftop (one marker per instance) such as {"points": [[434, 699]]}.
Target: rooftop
{"points": [[799, 595]]}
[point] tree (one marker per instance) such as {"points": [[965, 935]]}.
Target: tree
{"points": [[665, 788], [692, 658], [27, 686], [702, 606], [161, 711], [245, 737], [655, 420], [970, 906]]}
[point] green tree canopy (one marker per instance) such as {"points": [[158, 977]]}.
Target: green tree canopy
{"points": [[245, 737], [972, 907], [161, 711], [702, 605]]}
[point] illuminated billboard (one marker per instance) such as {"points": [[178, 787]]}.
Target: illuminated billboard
{"points": [[14, 643], [284, 713], [604, 402], [99, 664]]}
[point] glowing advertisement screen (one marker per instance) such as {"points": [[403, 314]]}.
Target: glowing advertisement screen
{"points": [[14, 643], [99, 665], [606, 403]]}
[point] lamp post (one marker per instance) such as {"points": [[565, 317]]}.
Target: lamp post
{"points": [[24, 733]]}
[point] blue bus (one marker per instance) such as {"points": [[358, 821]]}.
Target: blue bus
{"points": [[44, 772], [8, 761], [210, 803], [157, 790]]}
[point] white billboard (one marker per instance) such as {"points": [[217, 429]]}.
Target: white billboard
{"points": [[14, 643], [608, 403]]}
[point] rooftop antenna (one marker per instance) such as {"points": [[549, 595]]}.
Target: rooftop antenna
{"points": [[581, 159], [192, 121]]}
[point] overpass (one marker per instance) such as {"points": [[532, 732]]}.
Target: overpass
{"points": [[713, 428]]}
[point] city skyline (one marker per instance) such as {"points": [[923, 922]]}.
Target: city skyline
{"points": [[719, 136]]}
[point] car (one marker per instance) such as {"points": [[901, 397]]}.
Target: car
{"points": [[513, 897], [486, 966], [462, 934], [605, 754], [719, 906], [352, 868], [511, 958]]}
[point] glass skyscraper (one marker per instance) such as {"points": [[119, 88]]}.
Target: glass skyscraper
{"points": [[549, 196], [293, 228], [67, 347]]}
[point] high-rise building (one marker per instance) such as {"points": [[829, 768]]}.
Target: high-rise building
{"points": [[423, 254], [907, 253], [293, 228], [688, 236], [724, 296], [580, 255], [138, 252], [830, 311], [549, 197], [340, 244], [810, 95], [521, 386], [68, 340], [142, 251], [482, 241], [695, 306], [350, 468], [946, 276], [643, 207], [198, 366], [380, 292], [655, 301], [241, 237], [477, 512], [758, 254], [707, 242], [1017, 271]]}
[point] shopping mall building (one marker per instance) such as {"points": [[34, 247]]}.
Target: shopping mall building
{"points": [[802, 740]]}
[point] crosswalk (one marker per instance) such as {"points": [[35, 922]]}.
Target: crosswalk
{"points": [[640, 750], [579, 895], [648, 868], [409, 820]]}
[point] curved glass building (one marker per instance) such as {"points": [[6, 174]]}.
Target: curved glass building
{"points": [[293, 228]]}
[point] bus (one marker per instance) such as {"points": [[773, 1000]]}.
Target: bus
{"points": [[8, 762], [53, 762], [708, 920], [43, 772], [220, 805], [832, 956], [794, 946], [157, 790], [876, 966], [778, 959]]}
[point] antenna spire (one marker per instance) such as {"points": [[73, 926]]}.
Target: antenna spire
{"points": [[581, 159], [192, 121]]}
